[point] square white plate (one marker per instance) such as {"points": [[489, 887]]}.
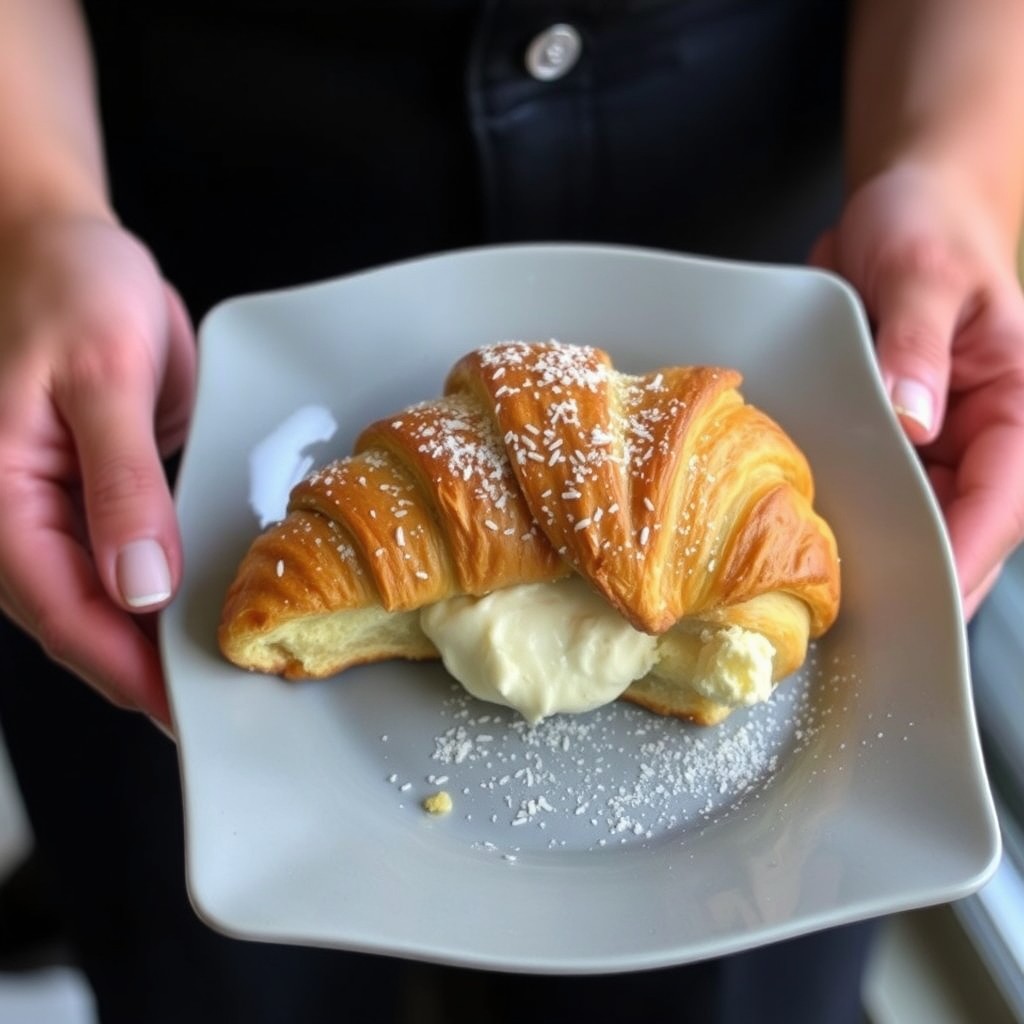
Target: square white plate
{"points": [[616, 840]]}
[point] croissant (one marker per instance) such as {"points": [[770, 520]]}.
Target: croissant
{"points": [[685, 510]]}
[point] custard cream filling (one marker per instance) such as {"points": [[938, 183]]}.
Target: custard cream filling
{"points": [[546, 648]]}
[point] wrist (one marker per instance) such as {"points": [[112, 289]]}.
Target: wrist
{"points": [[940, 84]]}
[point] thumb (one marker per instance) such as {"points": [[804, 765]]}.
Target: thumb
{"points": [[132, 525], [916, 320]]}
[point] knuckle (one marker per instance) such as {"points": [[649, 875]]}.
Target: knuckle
{"points": [[922, 258], [104, 360], [916, 341], [119, 480]]}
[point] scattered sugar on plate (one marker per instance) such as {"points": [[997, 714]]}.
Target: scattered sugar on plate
{"points": [[621, 775]]}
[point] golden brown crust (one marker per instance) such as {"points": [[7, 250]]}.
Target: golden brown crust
{"points": [[450, 452], [667, 492], [306, 559]]}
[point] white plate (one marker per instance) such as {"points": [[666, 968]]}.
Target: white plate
{"points": [[618, 840]]}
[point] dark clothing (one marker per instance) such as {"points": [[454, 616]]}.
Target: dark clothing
{"points": [[256, 144], [259, 144]]}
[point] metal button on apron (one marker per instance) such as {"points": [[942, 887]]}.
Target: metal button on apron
{"points": [[553, 53]]}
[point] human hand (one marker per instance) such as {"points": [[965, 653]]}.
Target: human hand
{"points": [[939, 281], [97, 374]]}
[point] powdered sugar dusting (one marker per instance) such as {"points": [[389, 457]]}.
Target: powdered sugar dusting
{"points": [[460, 439], [616, 449], [554, 375]]}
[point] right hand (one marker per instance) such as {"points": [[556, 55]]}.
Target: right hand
{"points": [[97, 379], [937, 271]]}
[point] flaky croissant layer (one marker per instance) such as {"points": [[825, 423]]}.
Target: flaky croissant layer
{"points": [[678, 502]]}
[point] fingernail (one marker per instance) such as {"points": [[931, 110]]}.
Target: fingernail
{"points": [[143, 576], [913, 401]]}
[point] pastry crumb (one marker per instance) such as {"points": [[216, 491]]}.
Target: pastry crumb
{"points": [[438, 803]]}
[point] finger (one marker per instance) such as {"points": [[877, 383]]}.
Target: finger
{"points": [[943, 481], [916, 311], [982, 442], [823, 252], [973, 600], [984, 520], [107, 399], [51, 590], [177, 394], [977, 468]]}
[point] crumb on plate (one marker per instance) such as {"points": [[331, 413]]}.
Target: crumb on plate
{"points": [[438, 803]]}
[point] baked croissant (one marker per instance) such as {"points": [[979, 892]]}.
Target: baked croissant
{"points": [[687, 510]]}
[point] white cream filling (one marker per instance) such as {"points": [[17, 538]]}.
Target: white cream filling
{"points": [[546, 648], [734, 666]]}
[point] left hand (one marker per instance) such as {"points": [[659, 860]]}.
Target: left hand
{"points": [[939, 280]]}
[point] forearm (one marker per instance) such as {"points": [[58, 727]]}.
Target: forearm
{"points": [[51, 156], [941, 81]]}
